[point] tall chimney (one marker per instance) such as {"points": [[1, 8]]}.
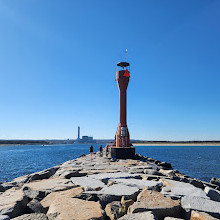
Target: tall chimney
{"points": [[78, 134]]}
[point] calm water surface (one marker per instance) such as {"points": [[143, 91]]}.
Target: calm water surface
{"points": [[198, 162]]}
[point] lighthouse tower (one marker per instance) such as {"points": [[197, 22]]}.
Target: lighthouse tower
{"points": [[122, 148], [122, 138]]}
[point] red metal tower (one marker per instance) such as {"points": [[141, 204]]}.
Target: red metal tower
{"points": [[122, 148], [122, 137]]}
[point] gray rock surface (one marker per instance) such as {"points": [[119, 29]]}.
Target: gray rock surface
{"points": [[106, 176], [1, 187], [141, 184], [114, 210], [190, 203], [197, 183], [167, 172], [19, 181], [166, 165], [68, 172], [172, 218], [139, 216], [104, 199], [33, 194], [195, 215], [36, 207], [139, 169], [153, 172], [215, 181], [112, 193], [120, 190], [32, 216], [70, 193], [88, 183], [212, 194], [112, 186], [4, 217], [179, 189], [77, 209], [6, 186], [126, 203], [12, 202], [150, 177], [45, 174], [49, 185], [110, 167], [154, 201]]}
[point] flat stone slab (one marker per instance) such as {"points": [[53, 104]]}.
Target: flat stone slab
{"points": [[44, 174], [141, 184], [12, 202], [91, 172], [172, 218], [212, 194], [200, 204], [70, 193], [151, 177], [153, 172], [88, 183], [106, 176], [32, 216], [67, 172], [50, 185], [77, 209], [176, 188], [19, 181], [195, 215], [139, 169], [119, 190], [6, 185], [116, 191], [109, 167], [154, 201], [147, 166], [4, 217], [139, 216], [128, 163]]}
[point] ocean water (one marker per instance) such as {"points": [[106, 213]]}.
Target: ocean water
{"points": [[200, 162]]}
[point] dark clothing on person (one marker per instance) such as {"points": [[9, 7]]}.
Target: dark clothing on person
{"points": [[100, 148], [91, 149], [107, 150]]}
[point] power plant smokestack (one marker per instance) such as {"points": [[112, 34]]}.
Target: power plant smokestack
{"points": [[78, 134]]}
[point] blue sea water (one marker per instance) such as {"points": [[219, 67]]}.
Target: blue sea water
{"points": [[200, 162]]}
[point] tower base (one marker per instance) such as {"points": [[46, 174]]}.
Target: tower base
{"points": [[122, 152]]}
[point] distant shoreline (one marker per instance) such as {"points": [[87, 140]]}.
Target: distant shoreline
{"points": [[178, 144], [23, 144], [134, 144]]}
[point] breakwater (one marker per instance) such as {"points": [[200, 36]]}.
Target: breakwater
{"points": [[201, 162], [99, 188]]}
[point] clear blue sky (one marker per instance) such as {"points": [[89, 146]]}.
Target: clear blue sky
{"points": [[58, 63]]}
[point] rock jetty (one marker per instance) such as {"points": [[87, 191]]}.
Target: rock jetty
{"points": [[97, 188]]}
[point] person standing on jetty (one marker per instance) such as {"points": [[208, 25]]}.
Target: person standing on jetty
{"points": [[107, 150], [91, 150], [101, 150]]}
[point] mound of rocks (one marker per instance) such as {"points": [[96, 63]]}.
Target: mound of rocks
{"points": [[101, 189]]}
